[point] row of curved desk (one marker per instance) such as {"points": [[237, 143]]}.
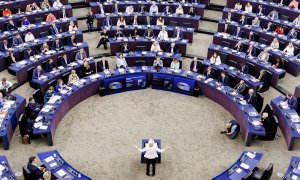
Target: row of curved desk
{"points": [[59, 167], [23, 3], [9, 116], [293, 64], [242, 167], [35, 46], [120, 80], [289, 66], [187, 33], [174, 20], [241, 57], [206, 2], [31, 16], [288, 120], [134, 43], [109, 6], [293, 171], [20, 69]]}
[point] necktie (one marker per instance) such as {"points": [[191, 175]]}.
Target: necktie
{"points": [[103, 62], [66, 61], [56, 31], [238, 88], [178, 34], [107, 22], [81, 56]]}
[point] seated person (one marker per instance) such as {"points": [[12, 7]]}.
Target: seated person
{"points": [[72, 27], [48, 94], [148, 21], [292, 34], [4, 46], [32, 7], [129, 9], [251, 98], [64, 60], [173, 49], [239, 88], [57, 45], [248, 8], [256, 22], [125, 48], [45, 5], [297, 21], [294, 4], [107, 23], [289, 50], [153, 8], [45, 48], [115, 8], [275, 44], [279, 30], [17, 40], [72, 40], [191, 12], [195, 65], [119, 33], [158, 62], [5, 87], [229, 17], [238, 6], [178, 34], [149, 33], [208, 72], [47, 175], [18, 10], [80, 55], [121, 62], [262, 76], [73, 77], [55, 29], [35, 170], [224, 79], [267, 123], [57, 4], [179, 10], [215, 59], [60, 86], [251, 51], [50, 17], [278, 63], [163, 34], [86, 69], [37, 73], [103, 39], [11, 25], [121, 22], [238, 32], [260, 11], [239, 46], [135, 21], [242, 21], [168, 10], [25, 22], [103, 65], [226, 29], [232, 129], [175, 64], [264, 55], [29, 37], [291, 101], [50, 66], [160, 21], [155, 47], [142, 9], [6, 12], [135, 33], [269, 27], [34, 106], [28, 53], [11, 57], [273, 15]]}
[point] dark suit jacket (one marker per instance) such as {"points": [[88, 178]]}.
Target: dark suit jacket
{"points": [[64, 62], [211, 75], [71, 41], [11, 27], [198, 66], [175, 49], [146, 34], [53, 30], [49, 67], [55, 46], [105, 22], [100, 65], [144, 10], [180, 34], [224, 81], [226, 30], [2, 48], [238, 34], [240, 88], [28, 54], [292, 36], [251, 100], [245, 70], [242, 22], [170, 10], [36, 172], [35, 73]]}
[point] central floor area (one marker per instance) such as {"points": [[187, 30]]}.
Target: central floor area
{"points": [[98, 137]]}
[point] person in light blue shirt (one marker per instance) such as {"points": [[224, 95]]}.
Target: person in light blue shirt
{"points": [[273, 15]]}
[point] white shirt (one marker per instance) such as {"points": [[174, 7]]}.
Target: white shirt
{"points": [[6, 85], [153, 9], [121, 23], [175, 65], [129, 10], [163, 35], [102, 10], [121, 62], [158, 63], [151, 152], [29, 37], [248, 9], [71, 28], [179, 11], [155, 48], [289, 51], [216, 61], [238, 7], [57, 4]]}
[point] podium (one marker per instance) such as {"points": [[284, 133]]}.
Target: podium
{"points": [[157, 143]]}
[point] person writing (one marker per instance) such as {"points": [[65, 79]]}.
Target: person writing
{"points": [[151, 155]]}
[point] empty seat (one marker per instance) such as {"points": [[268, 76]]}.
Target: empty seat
{"points": [[141, 48], [38, 96], [232, 63], [44, 34], [225, 44], [140, 62], [223, 57], [29, 76], [65, 77], [22, 124], [251, 68], [263, 174], [260, 102], [38, 20]]}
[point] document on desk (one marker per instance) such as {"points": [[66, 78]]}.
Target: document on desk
{"points": [[2, 167], [245, 166], [53, 164], [43, 127], [298, 127], [36, 125], [61, 172], [251, 155], [239, 170], [50, 158]]}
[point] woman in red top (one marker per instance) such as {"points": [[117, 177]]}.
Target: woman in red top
{"points": [[6, 12], [279, 30]]}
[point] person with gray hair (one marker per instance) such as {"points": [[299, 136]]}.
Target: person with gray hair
{"points": [[151, 154]]}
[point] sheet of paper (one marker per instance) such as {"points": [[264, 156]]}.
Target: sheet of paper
{"points": [[239, 170], [245, 166], [1, 167], [43, 127], [251, 155], [53, 164], [36, 125], [48, 159], [256, 123], [61, 172]]}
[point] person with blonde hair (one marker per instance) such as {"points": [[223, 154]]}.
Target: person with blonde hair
{"points": [[47, 175]]}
